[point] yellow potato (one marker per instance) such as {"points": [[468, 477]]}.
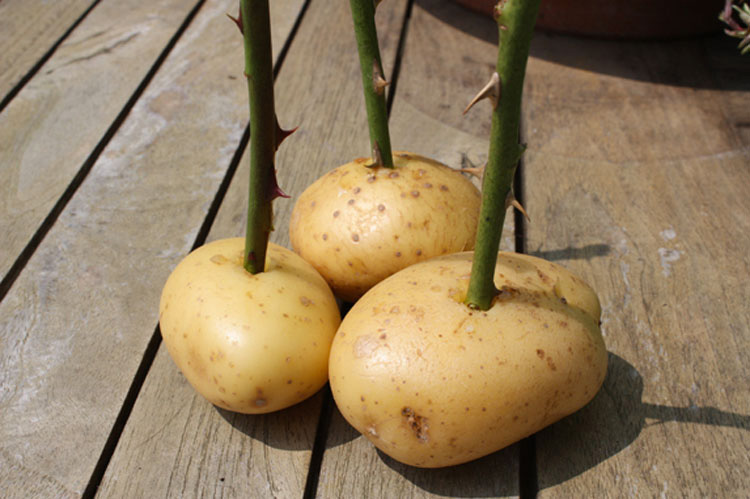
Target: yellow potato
{"points": [[358, 225], [248, 343], [433, 383]]}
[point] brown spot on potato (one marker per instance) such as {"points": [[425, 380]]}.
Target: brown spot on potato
{"points": [[416, 423], [381, 207], [350, 202], [305, 301], [444, 188], [355, 237], [325, 237], [393, 175], [540, 353], [551, 364], [336, 213], [415, 194]]}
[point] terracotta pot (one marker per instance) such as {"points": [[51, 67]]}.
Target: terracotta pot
{"points": [[622, 18]]}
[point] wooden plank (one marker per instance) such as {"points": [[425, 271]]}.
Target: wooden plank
{"points": [[49, 129], [443, 67], [201, 450], [28, 30], [640, 171], [78, 319]]}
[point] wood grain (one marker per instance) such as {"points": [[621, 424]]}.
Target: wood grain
{"points": [[78, 319], [201, 450], [50, 128], [28, 30], [443, 67], [638, 166]]}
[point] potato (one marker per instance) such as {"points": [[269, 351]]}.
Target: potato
{"points": [[434, 383], [358, 225], [248, 343]]}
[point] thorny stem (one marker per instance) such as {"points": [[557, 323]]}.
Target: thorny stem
{"points": [[373, 81], [256, 30], [515, 19]]}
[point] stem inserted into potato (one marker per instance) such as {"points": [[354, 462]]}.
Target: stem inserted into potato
{"points": [[373, 81], [265, 134], [515, 19]]}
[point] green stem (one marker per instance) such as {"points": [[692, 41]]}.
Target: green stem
{"points": [[259, 72], [515, 19], [373, 82]]}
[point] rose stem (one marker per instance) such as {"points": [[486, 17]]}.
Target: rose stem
{"points": [[255, 21], [515, 20], [373, 81]]}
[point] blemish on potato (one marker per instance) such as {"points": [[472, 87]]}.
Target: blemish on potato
{"points": [[416, 423], [540, 353], [365, 346], [305, 301], [551, 364], [218, 259]]}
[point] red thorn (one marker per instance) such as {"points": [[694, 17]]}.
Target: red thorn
{"points": [[282, 134], [275, 191], [238, 21]]}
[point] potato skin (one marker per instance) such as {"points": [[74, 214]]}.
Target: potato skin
{"points": [[358, 225], [248, 343], [433, 383]]}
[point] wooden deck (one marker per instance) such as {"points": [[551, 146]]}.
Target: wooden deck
{"points": [[122, 142]]}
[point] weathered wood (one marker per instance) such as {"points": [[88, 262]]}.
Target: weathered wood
{"points": [[50, 128], [638, 171], [201, 450], [78, 319], [28, 30], [443, 67]]}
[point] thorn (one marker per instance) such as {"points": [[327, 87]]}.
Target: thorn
{"points": [[491, 91], [282, 134], [478, 172], [238, 21], [377, 156], [275, 191], [467, 166], [378, 82], [510, 200]]}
